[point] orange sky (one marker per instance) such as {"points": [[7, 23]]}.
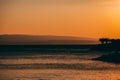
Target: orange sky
{"points": [[83, 18]]}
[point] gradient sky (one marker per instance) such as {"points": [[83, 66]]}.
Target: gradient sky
{"points": [[82, 18]]}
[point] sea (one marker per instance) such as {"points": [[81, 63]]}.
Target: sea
{"points": [[57, 65]]}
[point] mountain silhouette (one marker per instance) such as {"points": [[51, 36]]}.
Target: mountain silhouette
{"points": [[44, 39]]}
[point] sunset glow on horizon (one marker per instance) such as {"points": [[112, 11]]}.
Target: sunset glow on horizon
{"points": [[81, 18]]}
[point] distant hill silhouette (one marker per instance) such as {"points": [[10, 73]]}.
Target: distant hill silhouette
{"points": [[30, 39]]}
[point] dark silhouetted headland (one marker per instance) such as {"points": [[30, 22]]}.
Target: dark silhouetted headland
{"points": [[112, 58], [108, 45], [111, 45]]}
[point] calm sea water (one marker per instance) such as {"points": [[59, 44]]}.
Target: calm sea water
{"points": [[57, 67]]}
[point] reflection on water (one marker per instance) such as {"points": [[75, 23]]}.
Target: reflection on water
{"points": [[59, 75], [57, 67]]}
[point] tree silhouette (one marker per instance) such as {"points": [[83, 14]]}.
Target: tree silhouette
{"points": [[104, 40]]}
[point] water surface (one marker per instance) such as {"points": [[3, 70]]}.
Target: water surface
{"points": [[57, 67]]}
